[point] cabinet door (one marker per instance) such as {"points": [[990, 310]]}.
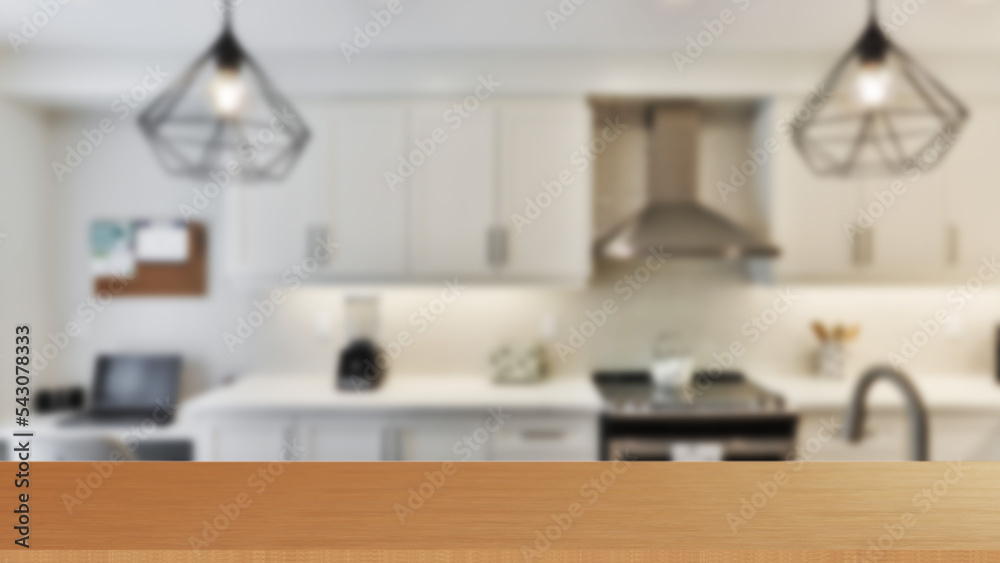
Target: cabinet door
{"points": [[960, 436], [254, 438], [442, 438], [820, 437], [809, 214], [336, 193], [971, 196], [910, 239], [547, 438], [367, 217], [265, 224], [545, 181], [354, 439], [453, 191]]}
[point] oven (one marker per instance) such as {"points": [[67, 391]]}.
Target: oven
{"points": [[729, 419], [698, 437]]}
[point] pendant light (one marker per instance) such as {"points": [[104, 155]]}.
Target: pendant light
{"points": [[224, 114], [877, 112]]}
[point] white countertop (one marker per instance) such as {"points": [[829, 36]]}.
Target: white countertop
{"points": [[939, 392], [400, 392]]}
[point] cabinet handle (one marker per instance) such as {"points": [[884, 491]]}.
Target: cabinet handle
{"points": [[863, 248], [392, 444], [496, 245], [543, 434], [317, 236], [870, 252], [952, 247]]}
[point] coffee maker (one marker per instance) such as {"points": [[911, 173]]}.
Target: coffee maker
{"points": [[362, 364]]}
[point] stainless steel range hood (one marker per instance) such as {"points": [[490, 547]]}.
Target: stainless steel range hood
{"points": [[674, 220]]}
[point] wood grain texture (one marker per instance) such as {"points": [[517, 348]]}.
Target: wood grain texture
{"points": [[484, 556], [504, 508]]}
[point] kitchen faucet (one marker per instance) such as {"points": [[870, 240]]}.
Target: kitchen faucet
{"points": [[914, 405]]}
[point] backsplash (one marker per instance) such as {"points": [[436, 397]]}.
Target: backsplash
{"points": [[723, 319]]}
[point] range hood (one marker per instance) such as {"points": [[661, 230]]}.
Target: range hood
{"points": [[674, 220]]}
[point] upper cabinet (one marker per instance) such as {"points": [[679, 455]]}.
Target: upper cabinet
{"points": [[362, 215], [335, 207], [421, 190], [545, 189], [453, 191], [931, 226]]}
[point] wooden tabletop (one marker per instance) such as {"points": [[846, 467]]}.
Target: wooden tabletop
{"points": [[511, 511]]}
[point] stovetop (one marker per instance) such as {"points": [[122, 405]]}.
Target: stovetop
{"points": [[717, 393]]}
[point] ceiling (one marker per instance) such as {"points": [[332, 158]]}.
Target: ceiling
{"points": [[504, 25]]}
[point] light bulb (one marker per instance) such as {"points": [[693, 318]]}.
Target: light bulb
{"points": [[228, 92], [872, 84]]}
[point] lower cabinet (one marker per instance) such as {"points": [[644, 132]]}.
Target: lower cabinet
{"points": [[954, 436], [498, 435], [252, 438], [440, 438], [543, 438], [493, 435], [343, 438]]}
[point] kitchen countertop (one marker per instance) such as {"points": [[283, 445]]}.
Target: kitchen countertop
{"points": [[939, 392], [400, 392]]}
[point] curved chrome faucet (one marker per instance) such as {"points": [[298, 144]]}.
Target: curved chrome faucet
{"points": [[914, 405]]}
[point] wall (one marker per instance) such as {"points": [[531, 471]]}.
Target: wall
{"points": [[26, 283]]}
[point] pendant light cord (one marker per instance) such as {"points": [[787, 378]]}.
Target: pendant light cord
{"points": [[872, 10]]}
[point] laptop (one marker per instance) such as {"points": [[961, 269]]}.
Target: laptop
{"points": [[131, 389]]}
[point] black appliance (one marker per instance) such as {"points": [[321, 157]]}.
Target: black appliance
{"points": [[130, 389], [718, 416], [358, 369], [59, 399]]}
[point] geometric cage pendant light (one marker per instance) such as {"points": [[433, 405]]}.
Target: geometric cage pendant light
{"points": [[224, 113], [877, 112]]}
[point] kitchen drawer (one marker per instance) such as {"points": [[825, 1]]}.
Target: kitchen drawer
{"points": [[547, 438]]}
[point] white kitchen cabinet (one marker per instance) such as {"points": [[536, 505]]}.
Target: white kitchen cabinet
{"points": [[448, 211], [248, 437], [936, 230], [265, 224], [336, 193], [498, 435], [491, 435], [367, 218], [972, 198], [809, 213], [546, 180], [440, 437], [503, 197], [563, 437], [453, 192], [358, 438], [966, 436]]}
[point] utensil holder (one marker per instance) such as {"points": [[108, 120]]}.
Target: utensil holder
{"points": [[832, 360]]}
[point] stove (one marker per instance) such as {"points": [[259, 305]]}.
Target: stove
{"points": [[718, 416], [633, 392]]}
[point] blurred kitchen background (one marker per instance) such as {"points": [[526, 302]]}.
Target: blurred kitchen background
{"points": [[373, 229]]}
